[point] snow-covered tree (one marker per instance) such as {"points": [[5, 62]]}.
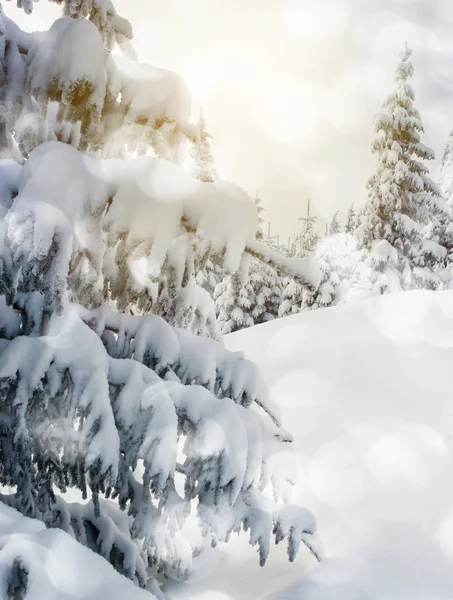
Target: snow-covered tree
{"points": [[96, 394], [351, 220], [305, 241], [302, 244], [204, 167], [209, 270], [337, 257], [259, 209], [403, 201], [334, 226], [251, 300], [446, 170]]}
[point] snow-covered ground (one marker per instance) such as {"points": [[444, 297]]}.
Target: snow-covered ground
{"points": [[367, 390]]}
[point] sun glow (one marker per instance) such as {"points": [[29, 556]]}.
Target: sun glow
{"points": [[315, 20], [293, 113]]}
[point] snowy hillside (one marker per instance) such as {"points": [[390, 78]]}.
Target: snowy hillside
{"points": [[366, 390]]}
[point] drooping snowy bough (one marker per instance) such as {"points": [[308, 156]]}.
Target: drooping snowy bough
{"points": [[150, 421]]}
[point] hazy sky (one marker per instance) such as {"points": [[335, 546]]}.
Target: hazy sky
{"points": [[289, 88]]}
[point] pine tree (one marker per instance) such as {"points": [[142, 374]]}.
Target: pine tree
{"points": [[259, 209], [403, 200], [337, 257], [251, 300], [97, 394], [351, 220], [303, 244], [305, 241], [446, 170], [204, 163], [334, 226]]}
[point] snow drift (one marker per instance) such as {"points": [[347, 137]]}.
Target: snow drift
{"points": [[366, 389]]}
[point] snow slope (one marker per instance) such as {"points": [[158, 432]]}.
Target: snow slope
{"points": [[367, 390]]}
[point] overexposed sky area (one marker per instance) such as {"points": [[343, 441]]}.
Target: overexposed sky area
{"points": [[289, 88]]}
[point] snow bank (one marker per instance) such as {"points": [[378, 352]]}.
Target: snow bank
{"points": [[397, 562], [366, 391], [58, 567]]}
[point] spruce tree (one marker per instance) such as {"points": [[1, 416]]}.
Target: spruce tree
{"points": [[305, 241], [147, 421], [252, 300], [403, 200], [302, 245], [334, 226], [446, 170], [204, 167], [259, 209], [351, 220]]}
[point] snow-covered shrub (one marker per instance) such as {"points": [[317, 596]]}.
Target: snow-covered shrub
{"points": [[149, 421]]}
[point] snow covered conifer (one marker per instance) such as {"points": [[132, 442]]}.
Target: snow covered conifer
{"points": [[259, 209], [305, 241], [403, 200], [334, 226], [204, 163], [96, 393], [251, 301], [446, 170], [351, 220]]}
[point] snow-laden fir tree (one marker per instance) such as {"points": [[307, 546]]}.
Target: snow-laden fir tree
{"points": [[252, 295], [446, 170], [351, 220], [148, 421], [204, 167], [208, 264], [337, 257], [251, 300], [306, 239], [334, 226], [405, 208], [303, 243], [259, 209], [442, 229]]}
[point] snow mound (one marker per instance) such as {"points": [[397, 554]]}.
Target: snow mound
{"points": [[366, 391], [54, 565], [398, 562]]}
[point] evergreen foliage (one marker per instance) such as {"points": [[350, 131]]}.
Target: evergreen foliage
{"points": [[96, 393]]}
